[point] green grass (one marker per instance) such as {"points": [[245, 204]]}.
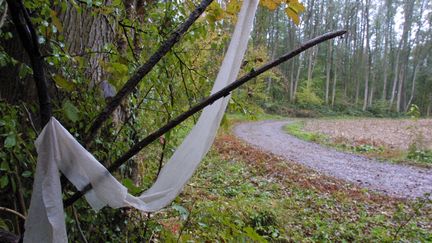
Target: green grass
{"points": [[296, 129]]}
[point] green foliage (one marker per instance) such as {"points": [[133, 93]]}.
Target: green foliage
{"points": [[422, 156], [70, 111], [308, 97], [247, 99], [414, 111], [380, 109], [366, 148], [17, 160]]}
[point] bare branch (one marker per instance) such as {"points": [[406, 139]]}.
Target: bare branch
{"points": [[13, 212]]}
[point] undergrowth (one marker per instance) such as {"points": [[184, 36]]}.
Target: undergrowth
{"points": [[252, 196]]}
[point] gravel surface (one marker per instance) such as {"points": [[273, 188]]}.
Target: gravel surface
{"points": [[391, 179]]}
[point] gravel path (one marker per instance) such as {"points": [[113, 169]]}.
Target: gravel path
{"points": [[391, 179]]}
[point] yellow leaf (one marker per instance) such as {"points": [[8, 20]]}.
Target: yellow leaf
{"points": [[293, 15], [56, 21], [63, 83], [233, 7], [215, 12], [270, 4], [296, 6]]}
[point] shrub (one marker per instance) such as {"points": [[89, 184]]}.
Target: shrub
{"points": [[308, 97]]}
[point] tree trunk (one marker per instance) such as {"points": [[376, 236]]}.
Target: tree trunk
{"points": [[84, 31], [395, 79], [412, 88], [408, 13], [328, 70], [334, 86], [366, 56]]}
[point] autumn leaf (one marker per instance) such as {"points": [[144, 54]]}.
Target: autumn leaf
{"points": [[63, 83], [271, 4], [215, 12], [296, 6], [233, 7], [293, 8], [56, 21], [293, 15]]}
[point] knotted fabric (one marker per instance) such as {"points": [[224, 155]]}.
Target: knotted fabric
{"points": [[59, 151]]}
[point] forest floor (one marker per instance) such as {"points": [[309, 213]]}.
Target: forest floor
{"points": [[242, 193], [391, 179]]}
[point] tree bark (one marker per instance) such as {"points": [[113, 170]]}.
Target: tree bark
{"points": [[366, 56], [412, 88], [334, 85], [408, 13], [328, 70], [395, 79]]}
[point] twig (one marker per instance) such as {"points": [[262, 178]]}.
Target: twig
{"points": [[78, 225], [144, 70], [110, 52], [411, 217], [206, 102], [186, 223], [130, 116], [161, 158], [13, 212], [129, 44], [182, 63], [30, 119], [137, 29], [19, 189], [146, 225]]}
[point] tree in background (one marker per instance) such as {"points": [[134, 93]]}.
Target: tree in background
{"points": [[378, 67]]}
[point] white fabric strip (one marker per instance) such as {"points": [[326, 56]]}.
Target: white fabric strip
{"points": [[58, 150]]}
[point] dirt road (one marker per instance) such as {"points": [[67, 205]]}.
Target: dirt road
{"points": [[391, 179]]}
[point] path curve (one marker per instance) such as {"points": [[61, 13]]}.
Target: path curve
{"points": [[391, 179]]}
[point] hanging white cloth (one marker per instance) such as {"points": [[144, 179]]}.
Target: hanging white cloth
{"points": [[58, 150]]}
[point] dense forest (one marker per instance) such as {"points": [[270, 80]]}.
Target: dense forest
{"points": [[381, 65], [73, 59]]}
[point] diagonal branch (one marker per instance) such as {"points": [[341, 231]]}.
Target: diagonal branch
{"points": [[206, 102], [145, 69]]}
